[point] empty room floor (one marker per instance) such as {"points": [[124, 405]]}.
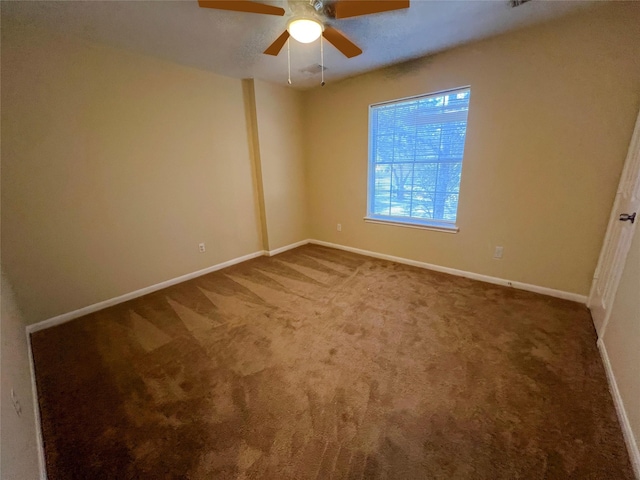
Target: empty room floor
{"points": [[323, 364]]}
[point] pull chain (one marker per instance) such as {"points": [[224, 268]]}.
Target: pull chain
{"points": [[289, 59], [322, 60]]}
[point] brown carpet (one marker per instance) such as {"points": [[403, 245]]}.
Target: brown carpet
{"points": [[321, 364]]}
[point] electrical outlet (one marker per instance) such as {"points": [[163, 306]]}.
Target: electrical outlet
{"points": [[339, 227], [16, 403], [201, 247], [498, 252]]}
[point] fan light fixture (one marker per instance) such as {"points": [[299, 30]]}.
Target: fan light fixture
{"points": [[304, 30]]}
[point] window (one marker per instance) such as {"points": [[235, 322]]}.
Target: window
{"points": [[416, 147]]}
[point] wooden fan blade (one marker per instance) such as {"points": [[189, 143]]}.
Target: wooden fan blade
{"points": [[275, 47], [242, 6], [342, 43], [355, 8]]}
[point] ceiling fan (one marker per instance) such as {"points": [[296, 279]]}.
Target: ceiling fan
{"points": [[309, 18]]}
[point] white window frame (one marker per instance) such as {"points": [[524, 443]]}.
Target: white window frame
{"points": [[411, 222]]}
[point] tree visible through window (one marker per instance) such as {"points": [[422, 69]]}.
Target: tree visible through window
{"points": [[415, 158]]}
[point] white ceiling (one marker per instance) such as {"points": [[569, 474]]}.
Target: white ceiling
{"points": [[230, 43]]}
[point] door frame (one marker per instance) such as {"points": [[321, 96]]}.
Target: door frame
{"points": [[627, 179]]}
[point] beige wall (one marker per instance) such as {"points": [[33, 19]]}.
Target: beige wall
{"points": [[622, 337], [114, 167], [551, 115], [18, 454], [280, 133]]}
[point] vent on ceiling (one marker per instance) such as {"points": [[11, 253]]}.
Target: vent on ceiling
{"points": [[517, 3], [313, 69]]}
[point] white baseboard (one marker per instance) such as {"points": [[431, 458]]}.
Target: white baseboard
{"points": [[57, 320], [36, 413], [461, 273], [271, 253], [65, 317], [629, 438]]}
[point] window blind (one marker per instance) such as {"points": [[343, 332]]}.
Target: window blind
{"points": [[415, 157]]}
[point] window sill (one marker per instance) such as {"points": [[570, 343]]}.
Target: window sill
{"points": [[422, 226]]}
